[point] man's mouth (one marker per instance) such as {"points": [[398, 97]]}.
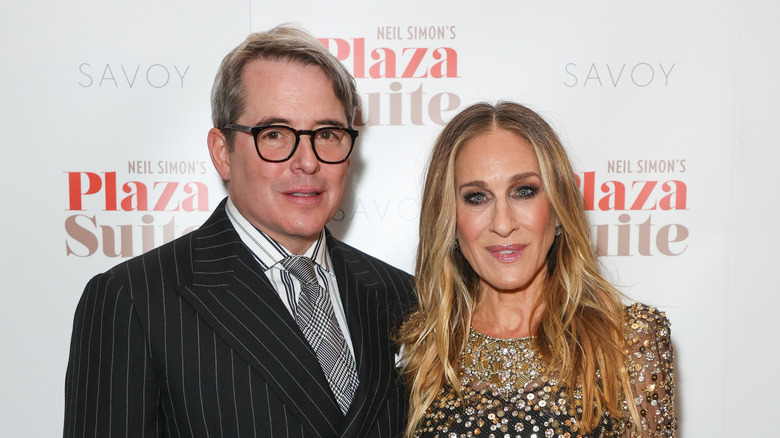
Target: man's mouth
{"points": [[304, 193]]}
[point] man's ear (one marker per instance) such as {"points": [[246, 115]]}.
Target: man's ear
{"points": [[218, 149]]}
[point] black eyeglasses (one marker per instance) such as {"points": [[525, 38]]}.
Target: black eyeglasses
{"points": [[277, 143]]}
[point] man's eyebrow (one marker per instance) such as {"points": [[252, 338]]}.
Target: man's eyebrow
{"points": [[273, 121], [286, 122], [330, 122]]}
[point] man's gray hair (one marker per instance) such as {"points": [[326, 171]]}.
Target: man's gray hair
{"points": [[282, 43]]}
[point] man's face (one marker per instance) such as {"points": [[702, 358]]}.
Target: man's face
{"points": [[290, 201]]}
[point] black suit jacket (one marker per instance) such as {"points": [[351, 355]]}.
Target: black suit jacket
{"points": [[190, 340]]}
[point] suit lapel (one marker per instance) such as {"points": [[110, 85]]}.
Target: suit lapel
{"points": [[232, 294], [364, 298]]}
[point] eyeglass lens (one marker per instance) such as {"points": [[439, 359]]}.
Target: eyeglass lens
{"points": [[277, 143]]}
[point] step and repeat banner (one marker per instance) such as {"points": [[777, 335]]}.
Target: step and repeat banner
{"points": [[106, 110]]}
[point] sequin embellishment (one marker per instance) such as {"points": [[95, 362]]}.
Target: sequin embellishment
{"points": [[508, 393], [506, 364]]}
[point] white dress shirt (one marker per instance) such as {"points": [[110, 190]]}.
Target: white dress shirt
{"points": [[269, 253]]}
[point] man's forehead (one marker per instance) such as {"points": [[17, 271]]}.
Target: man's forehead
{"points": [[262, 70]]}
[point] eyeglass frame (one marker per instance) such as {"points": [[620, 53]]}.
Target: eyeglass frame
{"points": [[255, 130]]}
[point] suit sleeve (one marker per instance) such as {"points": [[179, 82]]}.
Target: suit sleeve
{"points": [[110, 386]]}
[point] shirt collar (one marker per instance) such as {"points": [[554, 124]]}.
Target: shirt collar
{"points": [[268, 251]]}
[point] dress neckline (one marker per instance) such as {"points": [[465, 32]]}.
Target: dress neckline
{"points": [[505, 365], [495, 338]]}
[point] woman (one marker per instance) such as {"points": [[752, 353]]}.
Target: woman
{"points": [[517, 333]]}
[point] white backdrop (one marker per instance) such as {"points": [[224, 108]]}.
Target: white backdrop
{"points": [[669, 110]]}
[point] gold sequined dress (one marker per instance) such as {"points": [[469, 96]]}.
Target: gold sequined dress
{"points": [[508, 392]]}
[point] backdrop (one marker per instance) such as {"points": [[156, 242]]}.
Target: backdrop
{"points": [[669, 110]]}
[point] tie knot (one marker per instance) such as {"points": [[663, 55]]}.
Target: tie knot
{"points": [[301, 268]]}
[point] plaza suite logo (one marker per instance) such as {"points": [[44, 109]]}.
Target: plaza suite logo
{"points": [[124, 214], [404, 74], [634, 207], [393, 69]]}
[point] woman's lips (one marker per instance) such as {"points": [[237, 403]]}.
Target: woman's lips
{"points": [[506, 253]]}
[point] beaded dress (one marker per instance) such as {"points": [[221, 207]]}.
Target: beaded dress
{"points": [[508, 392]]}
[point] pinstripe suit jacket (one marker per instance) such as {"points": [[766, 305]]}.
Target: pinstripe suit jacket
{"points": [[190, 340]]}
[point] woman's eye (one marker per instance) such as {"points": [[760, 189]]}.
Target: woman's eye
{"points": [[475, 198], [526, 192]]}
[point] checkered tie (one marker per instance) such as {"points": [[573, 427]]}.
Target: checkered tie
{"points": [[317, 321]]}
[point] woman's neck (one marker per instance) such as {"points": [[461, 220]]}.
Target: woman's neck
{"points": [[507, 315]]}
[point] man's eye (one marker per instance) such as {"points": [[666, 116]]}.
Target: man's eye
{"points": [[274, 134], [330, 135]]}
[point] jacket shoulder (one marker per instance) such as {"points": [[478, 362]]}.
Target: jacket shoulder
{"points": [[177, 255], [347, 253], [396, 281]]}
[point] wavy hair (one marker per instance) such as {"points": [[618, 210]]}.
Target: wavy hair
{"points": [[581, 327]]}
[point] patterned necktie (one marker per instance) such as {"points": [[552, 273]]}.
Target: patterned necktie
{"points": [[317, 321]]}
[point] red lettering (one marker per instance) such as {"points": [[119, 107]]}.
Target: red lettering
{"points": [[447, 67], [95, 184], [589, 189], [343, 51], [74, 188], [166, 196], [195, 194], [679, 196], [110, 191], [199, 201], [387, 61], [643, 195], [618, 197], [141, 196], [443, 61], [359, 69], [414, 63]]}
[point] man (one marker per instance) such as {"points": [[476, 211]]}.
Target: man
{"points": [[214, 334]]}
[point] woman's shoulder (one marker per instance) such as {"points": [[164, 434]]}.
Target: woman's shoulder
{"points": [[643, 318], [646, 324]]}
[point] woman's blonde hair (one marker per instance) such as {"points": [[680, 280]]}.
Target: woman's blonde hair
{"points": [[581, 328]]}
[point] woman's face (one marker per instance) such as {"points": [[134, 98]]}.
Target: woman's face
{"points": [[505, 225]]}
